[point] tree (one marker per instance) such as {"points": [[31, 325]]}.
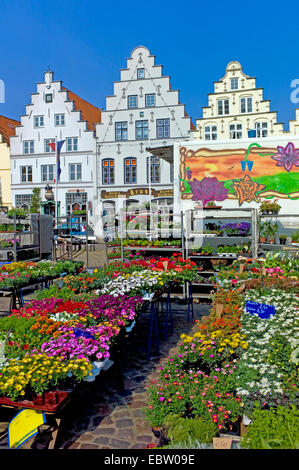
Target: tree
{"points": [[35, 201]]}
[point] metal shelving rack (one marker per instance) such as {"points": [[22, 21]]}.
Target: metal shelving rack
{"points": [[33, 233], [278, 246], [204, 215], [153, 233]]}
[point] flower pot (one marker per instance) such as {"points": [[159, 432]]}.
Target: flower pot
{"points": [[282, 241], [263, 239], [156, 431], [272, 240]]}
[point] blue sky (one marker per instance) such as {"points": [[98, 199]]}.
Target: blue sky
{"points": [[87, 43]]}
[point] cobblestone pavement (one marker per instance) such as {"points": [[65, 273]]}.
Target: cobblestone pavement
{"points": [[109, 412]]}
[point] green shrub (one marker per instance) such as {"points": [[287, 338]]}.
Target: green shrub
{"points": [[273, 429], [180, 429]]}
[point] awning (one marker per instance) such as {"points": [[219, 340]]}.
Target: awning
{"points": [[166, 152]]}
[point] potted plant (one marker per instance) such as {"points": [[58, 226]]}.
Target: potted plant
{"points": [[262, 230], [295, 237], [265, 207], [18, 211], [271, 230], [274, 207], [206, 250], [282, 239], [211, 205]]}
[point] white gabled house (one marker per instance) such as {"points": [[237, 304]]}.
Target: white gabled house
{"points": [[55, 114]]}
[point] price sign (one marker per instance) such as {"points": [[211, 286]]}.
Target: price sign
{"points": [[222, 442], [24, 426], [262, 310]]}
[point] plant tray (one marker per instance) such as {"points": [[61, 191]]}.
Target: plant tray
{"points": [[212, 208], [50, 402]]}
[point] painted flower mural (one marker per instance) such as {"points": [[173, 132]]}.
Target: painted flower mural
{"points": [[208, 189], [246, 189], [287, 157]]}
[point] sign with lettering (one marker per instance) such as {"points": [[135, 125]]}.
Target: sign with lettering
{"points": [[263, 310], [222, 442], [24, 426], [136, 192]]}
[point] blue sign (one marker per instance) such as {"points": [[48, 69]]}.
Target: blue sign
{"points": [[263, 310]]}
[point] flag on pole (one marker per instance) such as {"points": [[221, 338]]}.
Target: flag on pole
{"points": [[56, 146]]}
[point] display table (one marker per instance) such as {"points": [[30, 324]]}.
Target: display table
{"points": [[51, 404]]}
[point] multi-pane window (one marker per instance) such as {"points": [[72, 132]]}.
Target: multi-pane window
{"points": [[223, 107], [71, 144], [75, 171], [23, 200], [261, 129], [28, 146], [132, 101], [141, 130], [121, 130], [59, 119], [48, 97], [163, 128], [140, 73], [48, 148], [75, 201], [47, 173], [210, 132], [154, 169], [246, 105], [235, 131], [38, 121], [108, 171], [234, 85], [26, 174], [150, 100], [130, 170]]}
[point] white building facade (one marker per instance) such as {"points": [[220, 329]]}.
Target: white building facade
{"points": [[55, 114], [142, 112], [236, 107]]}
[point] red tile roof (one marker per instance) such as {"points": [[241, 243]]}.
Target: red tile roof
{"points": [[7, 128], [89, 112]]}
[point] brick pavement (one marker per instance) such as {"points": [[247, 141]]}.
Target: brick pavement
{"points": [[109, 412]]}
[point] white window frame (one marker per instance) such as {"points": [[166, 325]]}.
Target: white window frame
{"points": [[244, 103], [149, 96], [223, 108], [210, 132], [59, 118], [71, 144], [45, 171], [235, 131], [47, 147], [234, 80], [28, 146], [38, 121], [261, 128], [77, 174], [26, 167]]}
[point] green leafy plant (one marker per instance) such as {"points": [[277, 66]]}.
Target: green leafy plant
{"points": [[273, 429], [181, 429], [35, 201]]}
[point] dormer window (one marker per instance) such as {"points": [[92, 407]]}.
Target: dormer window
{"points": [[140, 73], [234, 85], [48, 97]]}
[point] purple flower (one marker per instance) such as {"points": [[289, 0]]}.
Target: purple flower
{"points": [[287, 157], [208, 189]]}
